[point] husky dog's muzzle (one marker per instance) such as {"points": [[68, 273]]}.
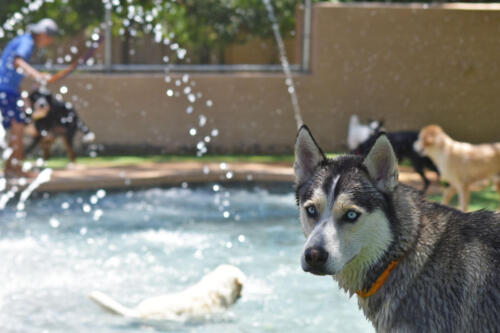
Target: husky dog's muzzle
{"points": [[314, 259]]}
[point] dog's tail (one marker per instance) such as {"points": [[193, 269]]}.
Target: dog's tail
{"points": [[112, 306]]}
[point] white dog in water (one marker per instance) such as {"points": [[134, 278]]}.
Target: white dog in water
{"points": [[214, 293]]}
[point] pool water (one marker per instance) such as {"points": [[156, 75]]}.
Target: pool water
{"points": [[133, 245]]}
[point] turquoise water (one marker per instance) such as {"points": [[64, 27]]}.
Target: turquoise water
{"points": [[133, 245]]}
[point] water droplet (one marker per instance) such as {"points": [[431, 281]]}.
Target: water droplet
{"points": [[170, 93], [65, 205], [27, 166], [184, 185], [202, 120], [216, 188], [223, 166], [83, 231], [215, 132], [206, 170], [229, 175], [226, 215], [209, 103], [192, 131], [241, 238], [181, 53], [191, 98], [54, 223], [189, 109], [101, 193], [63, 90], [86, 208]]}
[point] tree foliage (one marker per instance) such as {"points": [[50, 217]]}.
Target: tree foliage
{"points": [[200, 25]]}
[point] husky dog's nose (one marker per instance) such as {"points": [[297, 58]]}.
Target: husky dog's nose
{"points": [[315, 256]]}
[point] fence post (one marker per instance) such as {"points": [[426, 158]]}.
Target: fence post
{"points": [[108, 42], [306, 37]]}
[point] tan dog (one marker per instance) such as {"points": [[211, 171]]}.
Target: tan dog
{"points": [[459, 163], [214, 293]]}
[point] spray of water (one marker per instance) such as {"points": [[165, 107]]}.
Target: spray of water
{"points": [[42, 177], [284, 62]]}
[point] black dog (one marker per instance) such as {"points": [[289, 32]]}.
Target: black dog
{"points": [[402, 143], [54, 118]]}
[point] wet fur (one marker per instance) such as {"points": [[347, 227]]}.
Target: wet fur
{"points": [[214, 293], [449, 261]]}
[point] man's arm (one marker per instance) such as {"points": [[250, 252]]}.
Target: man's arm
{"points": [[32, 72]]}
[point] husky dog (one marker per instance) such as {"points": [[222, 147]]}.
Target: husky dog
{"points": [[359, 133], [214, 293], [416, 266]]}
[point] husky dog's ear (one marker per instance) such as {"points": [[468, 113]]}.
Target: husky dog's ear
{"points": [[382, 165], [307, 155]]}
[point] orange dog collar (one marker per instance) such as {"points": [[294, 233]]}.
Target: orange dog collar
{"points": [[380, 281]]}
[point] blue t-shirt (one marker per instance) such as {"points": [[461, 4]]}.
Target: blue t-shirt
{"points": [[21, 46]]}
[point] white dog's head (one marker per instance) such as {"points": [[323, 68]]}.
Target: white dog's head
{"points": [[227, 282], [359, 133]]}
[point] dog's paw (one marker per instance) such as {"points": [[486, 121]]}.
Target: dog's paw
{"points": [[89, 137]]}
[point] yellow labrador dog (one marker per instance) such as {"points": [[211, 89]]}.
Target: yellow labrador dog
{"points": [[459, 163], [214, 293]]}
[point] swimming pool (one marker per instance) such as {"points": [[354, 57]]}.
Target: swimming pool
{"points": [[137, 244]]}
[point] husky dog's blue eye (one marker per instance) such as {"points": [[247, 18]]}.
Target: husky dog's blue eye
{"points": [[351, 215], [311, 211]]}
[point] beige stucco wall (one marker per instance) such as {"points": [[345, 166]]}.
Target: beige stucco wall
{"points": [[409, 65]]}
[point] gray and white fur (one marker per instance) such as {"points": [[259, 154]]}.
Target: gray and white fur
{"points": [[358, 219]]}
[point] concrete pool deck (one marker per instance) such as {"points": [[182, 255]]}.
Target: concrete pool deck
{"points": [[83, 177]]}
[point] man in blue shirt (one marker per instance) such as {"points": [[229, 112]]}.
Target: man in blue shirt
{"points": [[14, 64]]}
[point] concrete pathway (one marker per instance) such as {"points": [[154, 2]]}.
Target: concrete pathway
{"points": [[165, 174]]}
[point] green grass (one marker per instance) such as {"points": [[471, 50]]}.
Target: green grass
{"points": [[485, 199], [121, 160], [110, 161]]}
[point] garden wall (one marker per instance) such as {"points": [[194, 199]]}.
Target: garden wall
{"points": [[410, 65]]}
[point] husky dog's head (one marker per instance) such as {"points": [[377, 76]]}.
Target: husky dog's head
{"points": [[344, 208]]}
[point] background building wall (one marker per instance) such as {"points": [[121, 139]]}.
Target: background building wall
{"points": [[411, 65]]}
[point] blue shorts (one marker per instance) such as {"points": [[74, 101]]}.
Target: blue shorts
{"points": [[11, 106]]}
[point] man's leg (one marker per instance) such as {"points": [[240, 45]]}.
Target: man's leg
{"points": [[14, 164]]}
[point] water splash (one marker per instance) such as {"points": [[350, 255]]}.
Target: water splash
{"points": [[43, 177], [284, 62]]}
